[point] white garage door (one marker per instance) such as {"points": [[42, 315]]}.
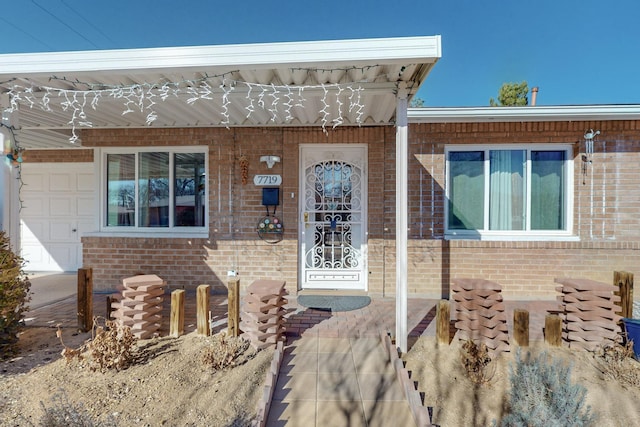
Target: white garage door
{"points": [[57, 208]]}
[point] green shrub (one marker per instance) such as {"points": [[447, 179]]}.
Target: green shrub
{"points": [[14, 296], [542, 395]]}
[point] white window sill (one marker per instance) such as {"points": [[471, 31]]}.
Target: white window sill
{"points": [[152, 234], [504, 237]]}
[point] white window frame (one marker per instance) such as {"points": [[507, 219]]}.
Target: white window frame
{"points": [[512, 235], [137, 231]]}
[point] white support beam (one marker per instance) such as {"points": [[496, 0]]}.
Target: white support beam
{"points": [[402, 164], [9, 188]]}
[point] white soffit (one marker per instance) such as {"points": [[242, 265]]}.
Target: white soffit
{"points": [[523, 114], [374, 67]]}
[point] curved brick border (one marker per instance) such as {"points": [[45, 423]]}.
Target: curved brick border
{"points": [[264, 404], [419, 412]]}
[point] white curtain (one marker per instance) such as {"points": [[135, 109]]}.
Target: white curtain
{"points": [[506, 190]]}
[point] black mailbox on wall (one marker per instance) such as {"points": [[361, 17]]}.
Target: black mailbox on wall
{"points": [[271, 196]]}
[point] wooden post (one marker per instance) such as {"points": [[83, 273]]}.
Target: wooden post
{"points": [[521, 327], [202, 311], [85, 299], [234, 307], [110, 301], [177, 313], [553, 330], [443, 322], [624, 281]]}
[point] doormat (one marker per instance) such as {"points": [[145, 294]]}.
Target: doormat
{"points": [[334, 302]]}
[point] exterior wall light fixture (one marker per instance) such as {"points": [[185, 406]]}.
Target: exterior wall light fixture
{"points": [[270, 160], [588, 139]]}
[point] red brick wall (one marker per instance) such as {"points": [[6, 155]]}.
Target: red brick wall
{"points": [[234, 208], [606, 205], [75, 155]]}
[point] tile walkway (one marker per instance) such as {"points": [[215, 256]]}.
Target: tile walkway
{"points": [[337, 382]]}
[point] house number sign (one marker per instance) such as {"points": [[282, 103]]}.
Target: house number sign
{"points": [[262, 180]]}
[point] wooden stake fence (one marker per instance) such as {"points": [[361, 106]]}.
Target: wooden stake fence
{"points": [[553, 330], [85, 299], [443, 322], [202, 312], [177, 313], [234, 307], [624, 282], [521, 327]]}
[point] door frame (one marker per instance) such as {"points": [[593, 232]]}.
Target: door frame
{"points": [[308, 153]]}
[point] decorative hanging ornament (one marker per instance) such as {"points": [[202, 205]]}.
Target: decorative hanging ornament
{"points": [[244, 169], [270, 229], [16, 157]]}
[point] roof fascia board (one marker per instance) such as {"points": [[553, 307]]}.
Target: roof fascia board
{"points": [[523, 114], [263, 55]]}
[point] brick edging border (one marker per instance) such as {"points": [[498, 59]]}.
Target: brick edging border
{"points": [[419, 412], [264, 404]]}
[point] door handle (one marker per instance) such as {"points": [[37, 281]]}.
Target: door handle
{"points": [[74, 230]]}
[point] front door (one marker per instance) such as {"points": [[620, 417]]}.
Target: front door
{"points": [[333, 188]]}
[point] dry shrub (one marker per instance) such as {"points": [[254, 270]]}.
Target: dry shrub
{"points": [[112, 346], [616, 362], [476, 361], [70, 353], [224, 352]]}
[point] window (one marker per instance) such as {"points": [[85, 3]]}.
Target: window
{"points": [[156, 190], [502, 191]]}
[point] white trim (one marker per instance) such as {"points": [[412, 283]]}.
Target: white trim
{"points": [[425, 49], [402, 221], [518, 235], [523, 114], [100, 160]]}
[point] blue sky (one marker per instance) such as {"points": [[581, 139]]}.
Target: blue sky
{"points": [[576, 52]]}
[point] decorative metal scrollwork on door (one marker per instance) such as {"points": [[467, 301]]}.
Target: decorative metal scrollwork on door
{"points": [[333, 207]]}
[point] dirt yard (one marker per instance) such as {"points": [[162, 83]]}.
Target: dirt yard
{"points": [[169, 384], [455, 401]]}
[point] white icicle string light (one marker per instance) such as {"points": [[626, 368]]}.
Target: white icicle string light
{"points": [[325, 109], [144, 97], [225, 102], [355, 102], [338, 120], [301, 99], [250, 108], [274, 104], [288, 105]]}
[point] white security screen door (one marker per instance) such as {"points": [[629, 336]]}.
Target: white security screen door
{"points": [[333, 225]]}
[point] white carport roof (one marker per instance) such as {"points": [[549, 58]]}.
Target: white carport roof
{"points": [[51, 96]]}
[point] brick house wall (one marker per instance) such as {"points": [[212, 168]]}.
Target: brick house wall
{"points": [[606, 206], [234, 209], [606, 203]]}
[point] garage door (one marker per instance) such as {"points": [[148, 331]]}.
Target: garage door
{"points": [[57, 208]]}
